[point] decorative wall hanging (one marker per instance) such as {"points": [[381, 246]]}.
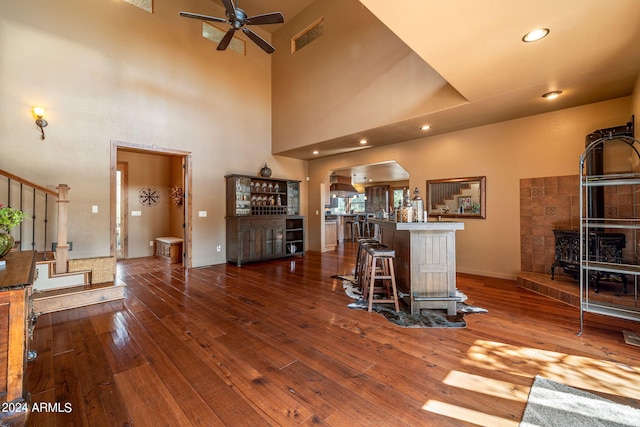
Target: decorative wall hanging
{"points": [[149, 196], [176, 195]]}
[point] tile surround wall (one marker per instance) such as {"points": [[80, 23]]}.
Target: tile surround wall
{"points": [[551, 203]]}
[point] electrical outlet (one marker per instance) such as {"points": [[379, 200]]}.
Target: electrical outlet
{"points": [[150, 242], [219, 248]]}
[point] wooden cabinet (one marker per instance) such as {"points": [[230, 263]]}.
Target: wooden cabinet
{"points": [[262, 219], [377, 198], [169, 249], [330, 235], [16, 279], [253, 196], [295, 235]]}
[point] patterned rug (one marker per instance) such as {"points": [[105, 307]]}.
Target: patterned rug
{"points": [[427, 318]]}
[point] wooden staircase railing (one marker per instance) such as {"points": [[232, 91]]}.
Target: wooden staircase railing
{"points": [[35, 201], [446, 191]]}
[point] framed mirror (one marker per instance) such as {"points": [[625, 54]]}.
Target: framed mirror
{"points": [[457, 197]]}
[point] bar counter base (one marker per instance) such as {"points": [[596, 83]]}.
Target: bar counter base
{"points": [[425, 261]]}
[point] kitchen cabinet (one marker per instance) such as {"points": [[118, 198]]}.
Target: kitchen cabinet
{"points": [[377, 198], [330, 235]]}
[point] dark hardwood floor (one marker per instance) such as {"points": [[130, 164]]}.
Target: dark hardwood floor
{"points": [[275, 344]]}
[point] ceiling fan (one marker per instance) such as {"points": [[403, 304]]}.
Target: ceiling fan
{"points": [[237, 18]]}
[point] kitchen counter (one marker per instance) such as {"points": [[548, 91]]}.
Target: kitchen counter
{"points": [[425, 261], [342, 231]]}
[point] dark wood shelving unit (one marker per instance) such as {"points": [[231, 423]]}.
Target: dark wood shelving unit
{"points": [[263, 221]]}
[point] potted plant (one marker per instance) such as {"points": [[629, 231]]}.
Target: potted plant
{"points": [[9, 218]]}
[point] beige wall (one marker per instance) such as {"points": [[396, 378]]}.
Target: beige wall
{"points": [[543, 145], [636, 105], [144, 171], [107, 71], [151, 80], [357, 76]]}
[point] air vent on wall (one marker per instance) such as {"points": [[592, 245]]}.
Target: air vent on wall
{"points": [[142, 4], [215, 34], [306, 36]]}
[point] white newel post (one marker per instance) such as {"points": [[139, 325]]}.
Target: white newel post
{"points": [[62, 250]]}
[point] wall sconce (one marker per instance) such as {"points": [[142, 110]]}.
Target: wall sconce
{"points": [[39, 113]]}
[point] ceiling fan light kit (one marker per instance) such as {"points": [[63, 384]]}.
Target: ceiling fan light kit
{"points": [[238, 18]]}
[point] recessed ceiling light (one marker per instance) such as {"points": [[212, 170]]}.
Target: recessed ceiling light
{"points": [[425, 127], [535, 35], [552, 95], [315, 151], [363, 141]]}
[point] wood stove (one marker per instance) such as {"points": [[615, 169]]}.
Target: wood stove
{"points": [[603, 247]]}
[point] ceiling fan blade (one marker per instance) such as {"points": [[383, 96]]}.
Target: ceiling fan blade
{"points": [[202, 17], [259, 40], [266, 18], [231, 9], [226, 39]]}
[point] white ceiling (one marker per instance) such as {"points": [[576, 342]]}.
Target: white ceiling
{"points": [[378, 172], [592, 54]]}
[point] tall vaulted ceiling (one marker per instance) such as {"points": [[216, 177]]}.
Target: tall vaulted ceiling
{"points": [[592, 54]]}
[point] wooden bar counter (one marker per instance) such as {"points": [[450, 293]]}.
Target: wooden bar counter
{"points": [[425, 261]]}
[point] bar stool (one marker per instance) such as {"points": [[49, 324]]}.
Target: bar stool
{"points": [[360, 260], [371, 228], [385, 272], [364, 226], [355, 228], [366, 263]]}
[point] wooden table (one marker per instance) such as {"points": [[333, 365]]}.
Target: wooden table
{"points": [[425, 261], [16, 279]]}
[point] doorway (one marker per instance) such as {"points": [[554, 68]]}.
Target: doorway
{"points": [[150, 198], [122, 209]]}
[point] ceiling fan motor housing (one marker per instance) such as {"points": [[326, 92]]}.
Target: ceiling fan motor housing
{"points": [[239, 20]]}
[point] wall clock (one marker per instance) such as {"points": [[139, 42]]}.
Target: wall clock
{"points": [[149, 196]]}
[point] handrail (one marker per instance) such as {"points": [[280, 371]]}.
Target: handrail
{"points": [[24, 187], [28, 183], [447, 191]]}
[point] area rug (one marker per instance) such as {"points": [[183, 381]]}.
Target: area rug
{"points": [[427, 318], [553, 404]]}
